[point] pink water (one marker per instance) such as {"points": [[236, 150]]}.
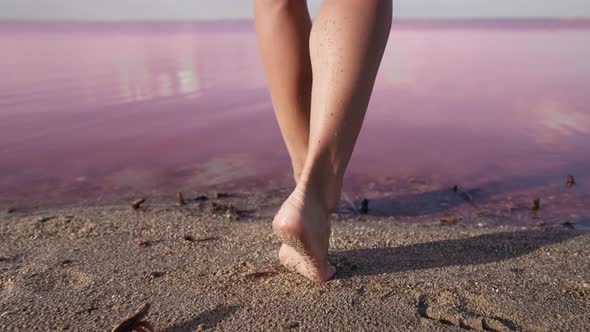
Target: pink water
{"points": [[96, 111]]}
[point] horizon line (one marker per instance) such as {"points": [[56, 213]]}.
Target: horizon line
{"points": [[238, 20]]}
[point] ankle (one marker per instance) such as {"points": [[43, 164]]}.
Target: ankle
{"points": [[324, 190], [297, 176]]}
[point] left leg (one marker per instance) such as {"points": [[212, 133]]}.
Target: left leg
{"points": [[283, 28]]}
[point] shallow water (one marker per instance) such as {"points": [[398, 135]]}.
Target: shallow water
{"points": [[92, 112]]}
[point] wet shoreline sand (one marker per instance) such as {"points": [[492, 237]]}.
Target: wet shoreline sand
{"points": [[210, 264]]}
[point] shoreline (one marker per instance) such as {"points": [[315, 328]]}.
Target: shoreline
{"points": [[207, 265], [515, 202]]}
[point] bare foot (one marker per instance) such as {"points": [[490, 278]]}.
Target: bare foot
{"points": [[303, 225]]}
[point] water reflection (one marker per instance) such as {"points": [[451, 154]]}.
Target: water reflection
{"points": [[189, 108], [137, 79], [165, 85], [186, 76], [561, 122]]}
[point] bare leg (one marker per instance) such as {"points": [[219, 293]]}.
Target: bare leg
{"points": [[347, 43], [283, 28]]}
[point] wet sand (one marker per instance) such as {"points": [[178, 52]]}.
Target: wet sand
{"points": [[211, 265]]}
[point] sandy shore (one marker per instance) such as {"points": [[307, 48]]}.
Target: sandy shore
{"points": [[85, 269]]}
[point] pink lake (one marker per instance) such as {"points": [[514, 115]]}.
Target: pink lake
{"points": [[91, 113]]}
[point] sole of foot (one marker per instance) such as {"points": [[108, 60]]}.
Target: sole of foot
{"points": [[304, 230]]}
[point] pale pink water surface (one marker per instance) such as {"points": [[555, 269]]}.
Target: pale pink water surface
{"points": [[93, 111]]}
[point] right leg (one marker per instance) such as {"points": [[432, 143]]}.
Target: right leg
{"points": [[347, 43], [283, 28]]}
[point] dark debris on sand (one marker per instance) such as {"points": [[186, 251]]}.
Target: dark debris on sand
{"points": [[181, 201], [536, 205], [219, 195], [570, 181], [228, 211], [135, 322], [449, 221], [136, 205], [202, 198], [365, 206]]}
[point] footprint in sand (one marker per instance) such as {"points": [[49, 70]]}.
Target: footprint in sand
{"points": [[449, 308]]}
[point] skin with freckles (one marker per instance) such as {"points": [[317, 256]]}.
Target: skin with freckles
{"points": [[321, 77]]}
